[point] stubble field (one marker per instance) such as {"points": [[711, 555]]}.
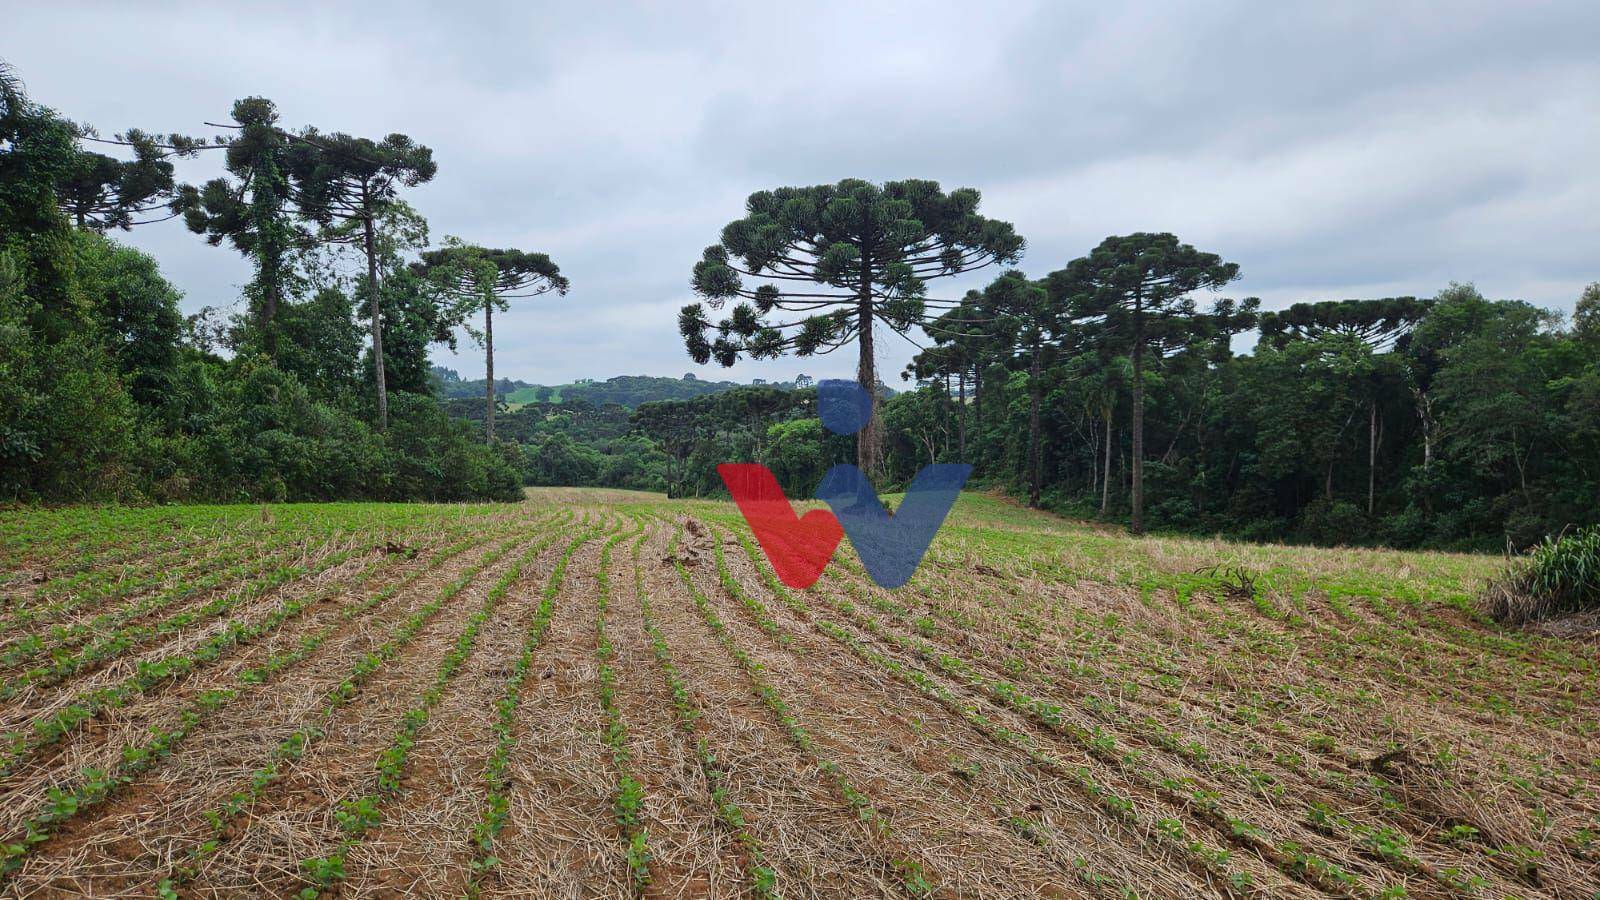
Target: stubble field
{"points": [[608, 694]]}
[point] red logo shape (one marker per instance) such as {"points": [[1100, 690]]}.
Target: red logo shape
{"points": [[798, 547]]}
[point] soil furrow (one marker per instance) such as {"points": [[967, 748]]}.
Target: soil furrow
{"points": [[295, 818], [559, 838], [424, 843], [903, 751], [691, 856], [813, 841], [337, 609], [1224, 757]]}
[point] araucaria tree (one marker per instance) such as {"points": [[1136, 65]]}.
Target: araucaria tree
{"points": [[253, 211], [481, 278], [1035, 323], [1379, 325], [100, 192], [345, 184], [815, 268], [1138, 285]]}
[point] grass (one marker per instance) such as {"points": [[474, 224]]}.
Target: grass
{"points": [[1559, 576]]}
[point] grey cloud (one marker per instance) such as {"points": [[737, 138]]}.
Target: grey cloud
{"points": [[1336, 150]]}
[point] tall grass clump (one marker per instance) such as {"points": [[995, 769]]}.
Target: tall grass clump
{"points": [[1559, 576]]}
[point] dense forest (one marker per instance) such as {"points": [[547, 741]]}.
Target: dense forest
{"points": [[1122, 385], [1453, 421], [108, 392]]}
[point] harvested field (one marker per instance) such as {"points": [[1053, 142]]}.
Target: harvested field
{"points": [[606, 694]]}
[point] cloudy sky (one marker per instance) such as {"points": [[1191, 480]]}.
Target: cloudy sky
{"points": [[1332, 150]]}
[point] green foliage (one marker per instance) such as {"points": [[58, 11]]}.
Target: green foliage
{"points": [[797, 453], [252, 212], [1460, 422], [137, 315], [322, 345], [99, 193], [1455, 421], [558, 460], [625, 390], [469, 278], [106, 392], [697, 435], [36, 151], [875, 243], [837, 259], [1377, 323]]}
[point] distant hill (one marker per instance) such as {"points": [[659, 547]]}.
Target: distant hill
{"points": [[626, 390]]}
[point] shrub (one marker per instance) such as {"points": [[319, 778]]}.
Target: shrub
{"points": [[1561, 575], [437, 458], [1333, 522]]}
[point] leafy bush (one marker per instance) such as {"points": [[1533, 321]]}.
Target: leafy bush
{"points": [[1332, 523], [557, 459], [1559, 576], [438, 458], [1407, 528]]}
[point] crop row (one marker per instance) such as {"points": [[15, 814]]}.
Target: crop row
{"points": [[687, 712], [361, 814], [1206, 860], [1241, 716], [1377, 841], [87, 706], [496, 777], [233, 563], [264, 576], [222, 819], [93, 787], [1034, 831], [903, 866], [628, 797], [113, 577]]}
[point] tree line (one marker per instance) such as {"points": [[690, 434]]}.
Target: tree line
{"points": [[1110, 386], [108, 392]]}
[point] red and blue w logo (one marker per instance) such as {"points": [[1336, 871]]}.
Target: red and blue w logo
{"points": [[891, 545]]}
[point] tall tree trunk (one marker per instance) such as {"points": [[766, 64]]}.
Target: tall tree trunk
{"points": [[377, 319], [1425, 416], [867, 439], [977, 398], [269, 314], [1372, 459], [488, 387], [944, 412], [266, 214], [1105, 477], [1137, 523], [961, 413], [1034, 465], [1424, 407]]}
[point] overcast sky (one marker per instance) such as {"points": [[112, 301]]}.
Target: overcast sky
{"points": [[1332, 150]]}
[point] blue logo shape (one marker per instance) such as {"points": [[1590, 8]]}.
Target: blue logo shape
{"points": [[891, 546], [843, 406]]}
